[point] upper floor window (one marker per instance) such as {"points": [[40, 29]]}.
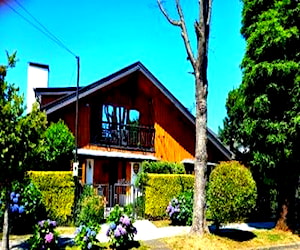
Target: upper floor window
{"points": [[119, 116]]}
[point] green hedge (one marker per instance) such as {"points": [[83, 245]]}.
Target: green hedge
{"points": [[58, 190], [161, 188]]}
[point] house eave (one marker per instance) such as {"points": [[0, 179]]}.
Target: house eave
{"points": [[114, 154]]}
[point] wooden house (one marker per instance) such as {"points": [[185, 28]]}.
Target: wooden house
{"points": [[124, 119]]}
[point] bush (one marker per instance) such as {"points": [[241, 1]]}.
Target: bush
{"points": [[90, 208], [157, 167], [121, 230], [163, 167], [161, 189], [58, 193], [85, 236], [180, 209], [231, 193], [25, 207], [44, 236]]}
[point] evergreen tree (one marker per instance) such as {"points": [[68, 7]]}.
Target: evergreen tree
{"points": [[21, 139], [263, 115]]}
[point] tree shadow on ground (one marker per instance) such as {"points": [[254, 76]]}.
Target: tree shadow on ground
{"points": [[262, 225], [234, 234], [65, 241]]}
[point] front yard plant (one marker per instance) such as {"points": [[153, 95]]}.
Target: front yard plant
{"points": [[44, 236], [85, 236], [25, 206], [231, 193], [90, 208], [180, 209], [121, 230]]}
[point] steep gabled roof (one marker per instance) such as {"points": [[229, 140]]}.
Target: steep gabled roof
{"points": [[138, 66]]}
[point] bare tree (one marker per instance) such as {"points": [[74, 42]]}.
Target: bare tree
{"points": [[199, 64]]}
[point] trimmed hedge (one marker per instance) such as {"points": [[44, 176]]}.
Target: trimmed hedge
{"points": [[58, 190], [163, 167], [161, 188]]}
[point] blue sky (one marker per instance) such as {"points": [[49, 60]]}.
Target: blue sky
{"points": [[109, 35]]}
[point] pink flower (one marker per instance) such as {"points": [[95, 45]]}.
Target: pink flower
{"points": [[49, 237]]}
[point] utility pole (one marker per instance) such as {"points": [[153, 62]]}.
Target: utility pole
{"points": [[76, 163]]}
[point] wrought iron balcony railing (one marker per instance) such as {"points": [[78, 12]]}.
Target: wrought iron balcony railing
{"points": [[126, 136]]}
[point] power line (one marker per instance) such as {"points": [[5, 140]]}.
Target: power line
{"points": [[45, 31], [54, 38]]}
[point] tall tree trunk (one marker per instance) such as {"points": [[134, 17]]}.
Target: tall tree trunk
{"points": [[286, 203], [199, 222], [199, 64], [5, 237]]}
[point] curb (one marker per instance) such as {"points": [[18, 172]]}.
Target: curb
{"points": [[280, 247]]}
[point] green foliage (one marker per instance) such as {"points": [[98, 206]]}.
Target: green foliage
{"points": [[21, 136], [57, 188], [231, 192], [26, 207], [163, 167], [139, 206], [180, 209], [117, 212], [158, 167], [262, 125], [44, 236], [121, 230], [85, 236], [161, 189], [59, 146], [90, 210]]}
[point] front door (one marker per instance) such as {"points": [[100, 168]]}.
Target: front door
{"points": [[89, 171]]}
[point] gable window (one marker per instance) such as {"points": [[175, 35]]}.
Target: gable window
{"points": [[121, 126]]}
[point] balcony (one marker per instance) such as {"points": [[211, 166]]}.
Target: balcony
{"points": [[129, 136]]}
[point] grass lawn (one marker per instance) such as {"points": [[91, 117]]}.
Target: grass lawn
{"points": [[233, 239]]}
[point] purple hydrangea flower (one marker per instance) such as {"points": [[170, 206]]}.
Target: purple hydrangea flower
{"points": [[89, 246], [49, 237], [15, 200], [117, 233], [17, 195], [121, 229], [53, 223], [126, 221], [41, 223]]}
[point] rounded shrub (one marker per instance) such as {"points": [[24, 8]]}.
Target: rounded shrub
{"points": [[90, 210], [231, 194]]}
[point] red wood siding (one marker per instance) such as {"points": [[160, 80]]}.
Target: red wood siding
{"points": [[174, 133]]}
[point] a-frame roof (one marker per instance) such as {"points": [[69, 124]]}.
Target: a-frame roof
{"points": [[138, 66]]}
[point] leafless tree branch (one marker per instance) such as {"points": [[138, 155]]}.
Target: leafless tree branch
{"points": [[209, 12], [170, 20], [184, 33]]}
